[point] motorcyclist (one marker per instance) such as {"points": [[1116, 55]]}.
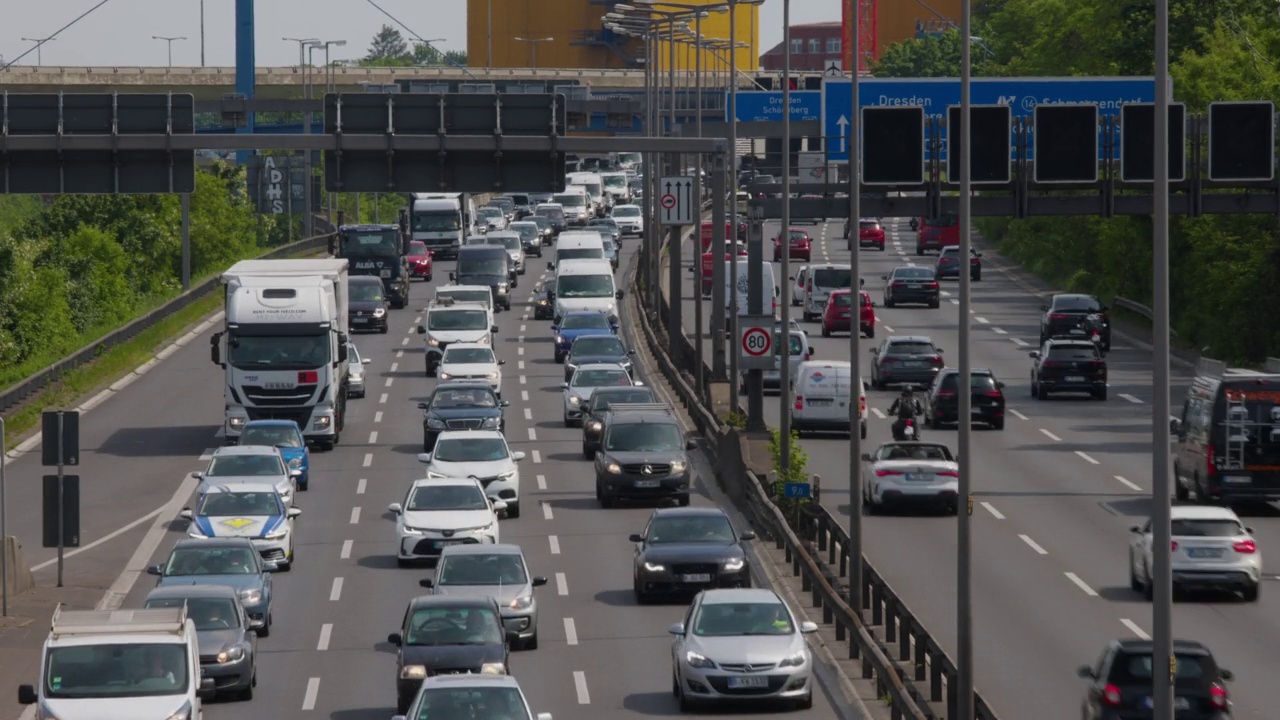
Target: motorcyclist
{"points": [[905, 408]]}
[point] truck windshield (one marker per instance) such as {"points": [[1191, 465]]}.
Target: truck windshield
{"points": [[476, 296], [584, 286], [485, 266], [615, 182], [116, 670], [572, 200], [436, 222], [458, 320], [281, 352], [376, 243], [581, 253]]}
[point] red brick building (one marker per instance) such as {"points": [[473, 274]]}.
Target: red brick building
{"points": [[812, 47]]}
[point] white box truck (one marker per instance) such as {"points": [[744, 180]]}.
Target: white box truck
{"points": [[442, 221]]}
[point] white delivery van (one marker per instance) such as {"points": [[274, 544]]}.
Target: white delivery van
{"points": [[585, 285], [615, 185], [577, 245], [576, 204], [770, 289], [820, 280], [594, 185], [823, 391]]}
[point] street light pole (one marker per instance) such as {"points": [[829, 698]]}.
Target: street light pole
{"points": [[731, 329], [854, 148], [201, 33], [40, 47], [784, 240], [169, 40], [964, 531], [488, 35]]}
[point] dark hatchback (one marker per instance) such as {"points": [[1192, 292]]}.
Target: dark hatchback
{"points": [[367, 306], [683, 551], [601, 401], [942, 403], [1068, 366], [905, 359], [593, 349], [643, 455], [447, 635], [543, 307], [1120, 682], [948, 265], [461, 405], [912, 285], [1071, 315], [546, 229]]}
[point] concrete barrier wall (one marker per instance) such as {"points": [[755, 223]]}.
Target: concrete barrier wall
{"points": [[19, 579]]}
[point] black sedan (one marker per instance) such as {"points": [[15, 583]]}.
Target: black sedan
{"points": [[1068, 366], [447, 635], [607, 227], [461, 405], [1071, 315], [987, 399], [949, 263], [589, 349], [685, 550], [366, 304], [543, 308], [546, 230], [911, 284], [601, 400]]}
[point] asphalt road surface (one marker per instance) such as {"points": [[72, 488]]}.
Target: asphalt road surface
{"points": [[1057, 491]]}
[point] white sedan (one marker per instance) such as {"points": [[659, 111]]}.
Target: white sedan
{"points": [[437, 513], [250, 463], [1212, 550], [251, 510], [480, 454], [586, 379], [910, 473], [471, 361]]}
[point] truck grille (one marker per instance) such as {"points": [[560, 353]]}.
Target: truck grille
{"points": [[454, 671], [654, 469], [473, 424], [263, 397], [302, 417]]}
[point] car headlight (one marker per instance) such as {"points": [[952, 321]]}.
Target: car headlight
{"points": [[277, 535], [794, 661], [502, 287], [492, 376], [613, 468], [508, 475], [433, 475], [380, 312], [295, 463], [484, 340], [493, 669], [697, 661], [231, 654], [677, 466], [433, 342], [357, 376], [654, 567], [492, 423], [559, 340], [413, 672], [445, 376], [543, 301], [734, 564], [236, 422], [182, 713], [595, 425], [322, 422], [524, 602], [251, 596], [435, 424], [575, 400]]}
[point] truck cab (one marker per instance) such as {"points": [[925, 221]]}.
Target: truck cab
{"points": [[379, 251]]}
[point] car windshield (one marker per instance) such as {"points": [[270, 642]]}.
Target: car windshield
{"points": [[556, 213], [277, 435], [581, 253], [1076, 303], [453, 626], [842, 300], [977, 381], [868, 225], [283, 352], [1069, 353], [729, 619], [484, 449], [452, 399], [796, 235], [527, 230], [372, 243], [417, 248], [483, 264], [1131, 669], [476, 296], [495, 569], [489, 211], [604, 223], [206, 613], [626, 212], [909, 348], [1187, 527], [223, 504], [540, 221], [193, 560], [598, 345], [602, 400], [912, 273], [615, 181], [678, 529], [458, 320], [465, 703], [366, 292], [507, 241], [468, 356], [586, 321], [446, 497], [600, 378], [245, 465], [108, 670], [643, 437], [573, 200], [436, 222], [832, 278], [944, 221], [917, 451]]}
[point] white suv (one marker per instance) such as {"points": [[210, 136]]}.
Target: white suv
{"points": [[480, 454], [471, 361], [437, 513], [448, 322], [1212, 550]]}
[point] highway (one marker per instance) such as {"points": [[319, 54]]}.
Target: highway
{"points": [[600, 653], [1057, 491]]}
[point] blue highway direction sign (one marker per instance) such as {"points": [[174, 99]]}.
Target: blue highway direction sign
{"points": [[936, 94], [766, 105]]}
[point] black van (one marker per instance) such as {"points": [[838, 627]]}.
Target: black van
{"points": [[1228, 435], [489, 265]]}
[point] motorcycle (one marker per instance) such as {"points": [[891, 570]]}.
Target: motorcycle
{"points": [[1092, 325], [906, 428]]}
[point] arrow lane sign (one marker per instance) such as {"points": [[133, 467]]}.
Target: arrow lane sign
{"points": [[843, 123]]}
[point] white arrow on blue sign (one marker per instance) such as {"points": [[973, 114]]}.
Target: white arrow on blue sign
{"points": [[936, 94]]}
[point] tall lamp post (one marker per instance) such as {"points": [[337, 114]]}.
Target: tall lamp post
{"points": [[168, 40], [40, 47], [201, 33], [303, 45], [328, 82], [533, 48]]}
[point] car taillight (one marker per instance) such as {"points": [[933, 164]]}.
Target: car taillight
{"points": [[897, 283], [933, 285], [1173, 546], [883, 473], [1246, 547], [1111, 696], [799, 403], [948, 473], [1048, 364], [1208, 459], [1057, 316], [936, 360], [992, 393], [945, 394], [1218, 697], [862, 406]]}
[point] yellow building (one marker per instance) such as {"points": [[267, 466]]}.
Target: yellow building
{"points": [[571, 34]]}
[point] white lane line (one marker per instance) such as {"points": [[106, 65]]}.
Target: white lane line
{"points": [[982, 320], [562, 584], [886, 327], [537, 458], [528, 413], [1081, 584], [524, 380], [368, 459], [355, 515], [542, 482], [383, 399], [389, 381], [1128, 483], [955, 301], [377, 416], [404, 341], [522, 328], [944, 293], [335, 592], [416, 322], [547, 513], [1050, 435], [533, 434], [520, 351], [1034, 546], [1020, 342], [373, 437], [326, 631], [570, 632], [394, 367], [1085, 457], [580, 684], [361, 484], [524, 395], [519, 364], [346, 550], [1133, 628], [309, 698], [992, 509], [399, 354], [999, 331], [878, 413], [1131, 398], [554, 542], [1017, 414]]}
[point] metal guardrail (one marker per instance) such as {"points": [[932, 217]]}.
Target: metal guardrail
{"points": [[1133, 307], [33, 384]]}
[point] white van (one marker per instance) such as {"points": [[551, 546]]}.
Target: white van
{"points": [[142, 664], [577, 245], [819, 281], [594, 185], [823, 390], [576, 204], [481, 294], [770, 289], [615, 185], [585, 285]]}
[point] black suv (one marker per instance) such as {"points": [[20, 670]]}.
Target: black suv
{"points": [[912, 359], [461, 405], [1120, 683], [601, 400], [942, 403], [912, 284], [642, 456], [1068, 366], [447, 635], [1070, 315]]}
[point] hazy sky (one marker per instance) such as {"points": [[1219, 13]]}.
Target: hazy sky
{"points": [[120, 32]]}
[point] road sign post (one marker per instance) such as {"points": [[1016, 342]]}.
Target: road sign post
{"points": [[755, 342], [676, 201], [60, 446]]}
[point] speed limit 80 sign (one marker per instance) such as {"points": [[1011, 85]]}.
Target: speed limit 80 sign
{"points": [[755, 342]]}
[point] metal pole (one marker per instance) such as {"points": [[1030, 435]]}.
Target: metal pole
{"points": [[697, 71], [308, 199], [186, 242], [719, 244], [697, 198], [1162, 576], [964, 552], [784, 235], [755, 303], [61, 510], [4, 530], [675, 327], [854, 148], [732, 324], [671, 73], [201, 33]]}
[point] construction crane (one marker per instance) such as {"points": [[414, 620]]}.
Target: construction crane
{"points": [[868, 35]]}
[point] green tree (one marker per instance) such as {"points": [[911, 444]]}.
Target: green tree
{"points": [[930, 56], [388, 48]]}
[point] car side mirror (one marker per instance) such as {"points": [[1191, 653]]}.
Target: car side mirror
{"points": [[427, 583], [792, 278], [676, 629], [155, 570], [208, 689], [424, 457], [198, 475], [422, 330], [365, 361], [636, 537], [690, 444], [1226, 675], [618, 295], [543, 716], [422, 406], [493, 329], [1249, 530], [564, 386], [1136, 530], [504, 403], [395, 639], [1086, 672], [539, 581], [453, 276], [977, 254], [517, 456], [1045, 308], [186, 514], [27, 695], [295, 474], [551, 266], [1175, 426], [270, 567], [748, 535], [1034, 354], [812, 352], [513, 637], [293, 512], [808, 627], [395, 508], [866, 457], [631, 352], [884, 277], [555, 328], [499, 506], [502, 362], [999, 384]]}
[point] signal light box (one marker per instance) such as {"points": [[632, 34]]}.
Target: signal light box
{"points": [[1066, 143], [1138, 142], [892, 146], [1242, 141], [990, 132]]}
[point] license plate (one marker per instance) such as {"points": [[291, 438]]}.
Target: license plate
{"points": [[920, 477], [748, 682], [911, 364], [1077, 331], [915, 287], [279, 386], [1237, 479], [975, 411], [1075, 378], [1204, 552], [360, 320], [696, 578], [446, 543], [819, 403], [646, 483], [1179, 703]]}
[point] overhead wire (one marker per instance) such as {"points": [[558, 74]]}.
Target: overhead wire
{"points": [[82, 16]]}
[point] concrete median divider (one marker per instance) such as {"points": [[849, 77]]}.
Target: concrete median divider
{"points": [[18, 577]]}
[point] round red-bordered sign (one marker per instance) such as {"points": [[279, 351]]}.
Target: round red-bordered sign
{"points": [[757, 342], [668, 201]]}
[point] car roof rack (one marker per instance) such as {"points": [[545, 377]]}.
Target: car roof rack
{"points": [[640, 407], [66, 622]]}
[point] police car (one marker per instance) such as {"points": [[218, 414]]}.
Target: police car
{"points": [[251, 510]]}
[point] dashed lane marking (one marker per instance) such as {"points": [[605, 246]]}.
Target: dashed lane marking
{"points": [[1017, 414], [373, 437], [368, 459], [580, 685], [954, 301], [1050, 435], [389, 381], [554, 542], [520, 350], [520, 365], [1033, 545], [399, 354], [981, 320], [524, 380], [1081, 584], [562, 584], [533, 434], [355, 515], [879, 414], [377, 416], [1020, 342], [1131, 398], [998, 331], [542, 482], [1128, 483], [537, 458], [570, 632], [404, 341], [345, 554], [394, 367], [528, 414], [992, 509], [1087, 458], [547, 514], [335, 591], [1133, 628], [361, 484], [524, 395], [326, 630], [309, 697], [383, 399]]}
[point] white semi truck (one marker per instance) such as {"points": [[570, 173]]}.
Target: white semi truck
{"points": [[284, 346], [442, 221]]}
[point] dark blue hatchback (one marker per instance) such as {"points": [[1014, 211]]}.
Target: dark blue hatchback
{"points": [[578, 323]]}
